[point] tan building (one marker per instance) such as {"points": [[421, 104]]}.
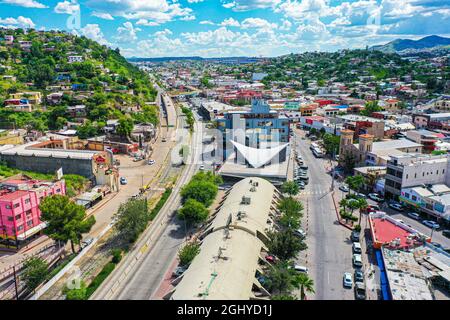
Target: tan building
{"points": [[368, 152], [232, 247]]}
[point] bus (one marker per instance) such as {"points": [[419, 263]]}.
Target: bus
{"points": [[317, 152]]}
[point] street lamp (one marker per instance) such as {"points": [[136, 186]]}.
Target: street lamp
{"points": [[431, 235]]}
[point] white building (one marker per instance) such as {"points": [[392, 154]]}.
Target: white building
{"points": [[72, 59]]}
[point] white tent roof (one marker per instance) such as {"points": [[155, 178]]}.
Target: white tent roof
{"points": [[258, 157]]}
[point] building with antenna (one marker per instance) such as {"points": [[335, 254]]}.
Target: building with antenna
{"points": [[232, 251]]}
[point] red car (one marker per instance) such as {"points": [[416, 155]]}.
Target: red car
{"points": [[270, 259]]}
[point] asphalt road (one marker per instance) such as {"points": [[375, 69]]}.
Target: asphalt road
{"points": [[329, 250], [148, 273]]}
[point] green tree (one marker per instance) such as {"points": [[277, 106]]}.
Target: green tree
{"points": [[34, 272], [370, 107], [193, 211], [125, 126], [290, 206], [202, 191], [284, 244], [355, 182], [279, 279], [331, 143], [132, 218], [188, 253], [305, 284], [66, 220], [290, 187]]}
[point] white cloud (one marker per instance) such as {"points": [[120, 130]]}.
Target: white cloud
{"points": [[93, 31], [102, 15], [145, 22], [258, 23], [230, 22], [148, 12], [194, 1], [20, 22], [207, 22], [285, 25], [67, 7], [25, 3], [245, 5], [127, 33]]}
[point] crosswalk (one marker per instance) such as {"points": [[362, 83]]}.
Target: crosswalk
{"points": [[313, 192]]}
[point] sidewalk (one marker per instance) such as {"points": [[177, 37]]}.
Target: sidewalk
{"points": [[371, 272]]}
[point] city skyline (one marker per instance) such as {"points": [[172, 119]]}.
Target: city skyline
{"points": [[207, 28]]}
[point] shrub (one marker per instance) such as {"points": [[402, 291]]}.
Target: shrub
{"points": [[117, 255]]}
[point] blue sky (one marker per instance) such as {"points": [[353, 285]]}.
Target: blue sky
{"points": [[213, 28]]}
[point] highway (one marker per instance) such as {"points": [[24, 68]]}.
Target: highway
{"points": [[141, 272], [329, 252]]}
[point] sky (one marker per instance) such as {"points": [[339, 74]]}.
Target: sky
{"points": [[220, 28]]}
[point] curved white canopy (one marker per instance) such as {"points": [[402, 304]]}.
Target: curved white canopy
{"points": [[258, 157]]}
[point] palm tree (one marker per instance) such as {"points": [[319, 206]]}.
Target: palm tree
{"points": [[343, 203], [362, 205], [305, 284]]}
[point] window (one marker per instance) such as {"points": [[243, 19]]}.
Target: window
{"points": [[414, 198], [407, 195], [30, 223], [8, 206], [58, 190], [407, 177], [19, 228], [10, 218], [415, 175], [27, 200], [18, 217], [28, 212], [16, 205]]}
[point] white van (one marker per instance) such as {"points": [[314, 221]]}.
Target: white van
{"points": [[414, 215], [300, 268]]}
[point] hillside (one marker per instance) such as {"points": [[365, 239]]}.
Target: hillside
{"points": [[407, 44], [48, 72]]}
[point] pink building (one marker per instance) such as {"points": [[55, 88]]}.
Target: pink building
{"points": [[19, 206]]}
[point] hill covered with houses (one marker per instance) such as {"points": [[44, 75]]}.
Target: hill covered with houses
{"points": [[51, 80]]}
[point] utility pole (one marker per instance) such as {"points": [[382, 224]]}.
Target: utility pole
{"points": [[15, 282]]}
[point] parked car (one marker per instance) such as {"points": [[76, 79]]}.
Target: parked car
{"points": [[86, 242], [178, 271], [413, 215], [343, 188], [202, 167], [357, 260], [300, 268], [271, 259], [163, 140], [360, 291], [446, 233], [123, 180], [361, 195], [356, 247], [300, 232], [348, 281], [150, 162], [372, 208], [359, 276], [375, 197], [431, 224], [355, 236], [396, 206], [304, 167]]}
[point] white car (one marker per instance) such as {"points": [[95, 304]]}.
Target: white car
{"points": [[151, 161], [300, 268], [343, 188], [348, 281], [202, 167], [356, 247], [300, 232], [357, 260]]}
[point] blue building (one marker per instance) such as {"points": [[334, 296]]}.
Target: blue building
{"points": [[257, 126]]}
